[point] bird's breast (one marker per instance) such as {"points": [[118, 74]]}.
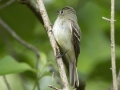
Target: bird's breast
{"points": [[62, 33]]}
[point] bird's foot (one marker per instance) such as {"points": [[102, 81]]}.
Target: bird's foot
{"points": [[61, 55]]}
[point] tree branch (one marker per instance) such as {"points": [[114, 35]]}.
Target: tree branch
{"points": [[53, 87], [6, 82], [118, 82], [24, 43], [113, 58], [56, 75], [106, 19], [54, 45], [6, 4]]}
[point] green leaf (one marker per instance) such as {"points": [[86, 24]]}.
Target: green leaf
{"points": [[8, 65]]}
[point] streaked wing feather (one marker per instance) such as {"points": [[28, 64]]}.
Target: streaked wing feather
{"points": [[76, 38]]}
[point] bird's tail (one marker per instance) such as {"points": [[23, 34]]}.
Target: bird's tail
{"points": [[74, 80]]}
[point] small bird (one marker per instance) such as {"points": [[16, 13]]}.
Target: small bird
{"points": [[68, 34]]}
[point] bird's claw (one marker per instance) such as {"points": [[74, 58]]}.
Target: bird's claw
{"points": [[61, 55]]}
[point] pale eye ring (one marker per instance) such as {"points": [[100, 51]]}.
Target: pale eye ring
{"points": [[61, 11]]}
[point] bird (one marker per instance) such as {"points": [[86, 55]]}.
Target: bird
{"points": [[67, 34]]}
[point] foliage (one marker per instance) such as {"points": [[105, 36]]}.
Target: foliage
{"points": [[8, 65]]}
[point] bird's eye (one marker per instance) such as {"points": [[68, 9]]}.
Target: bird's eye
{"points": [[61, 11]]}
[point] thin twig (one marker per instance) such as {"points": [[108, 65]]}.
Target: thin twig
{"points": [[56, 75], [6, 4], [106, 19], [54, 45], [113, 58], [7, 42], [6, 82], [53, 87], [24, 43]]}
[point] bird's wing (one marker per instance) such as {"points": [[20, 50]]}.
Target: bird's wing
{"points": [[75, 30]]}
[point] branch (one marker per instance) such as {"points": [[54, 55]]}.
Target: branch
{"points": [[6, 4], [106, 19], [7, 42], [24, 43], [118, 82], [6, 82], [56, 75], [113, 58], [53, 87], [54, 45]]}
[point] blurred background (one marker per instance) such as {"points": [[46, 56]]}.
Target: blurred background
{"points": [[94, 60]]}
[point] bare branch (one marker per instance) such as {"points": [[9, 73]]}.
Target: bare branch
{"points": [[55, 74], [106, 19], [6, 4], [113, 58], [6, 82], [54, 45], [24, 43], [53, 87], [118, 82]]}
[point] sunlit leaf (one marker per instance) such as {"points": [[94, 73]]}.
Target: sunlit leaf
{"points": [[8, 65]]}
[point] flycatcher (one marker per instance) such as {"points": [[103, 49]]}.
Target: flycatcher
{"points": [[67, 34]]}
